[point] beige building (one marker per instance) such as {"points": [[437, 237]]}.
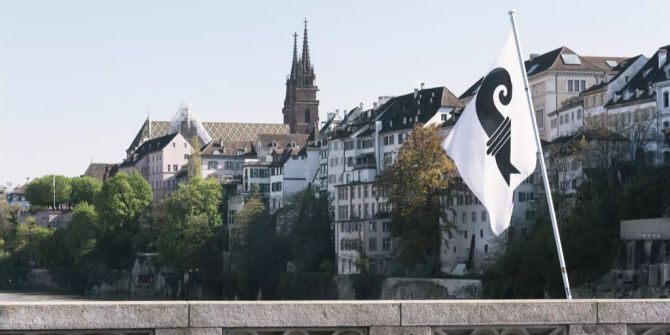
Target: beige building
{"points": [[559, 75]]}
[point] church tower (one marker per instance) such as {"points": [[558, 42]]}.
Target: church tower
{"points": [[301, 108]]}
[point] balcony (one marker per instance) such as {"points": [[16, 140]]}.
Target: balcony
{"points": [[338, 317]]}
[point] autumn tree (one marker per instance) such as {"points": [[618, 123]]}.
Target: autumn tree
{"points": [[414, 185]]}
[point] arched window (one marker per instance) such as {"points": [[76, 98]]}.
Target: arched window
{"points": [[307, 116]]}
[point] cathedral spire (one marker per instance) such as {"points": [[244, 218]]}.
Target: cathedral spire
{"points": [[294, 65], [305, 51]]}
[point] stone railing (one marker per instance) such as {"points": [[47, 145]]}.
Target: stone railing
{"points": [[481, 317]]}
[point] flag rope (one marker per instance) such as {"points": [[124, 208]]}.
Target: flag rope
{"points": [[543, 168]]}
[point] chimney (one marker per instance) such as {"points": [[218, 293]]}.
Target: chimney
{"points": [[422, 85], [416, 92], [374, 105], [533, 56], [662, 57], [316, 133]]}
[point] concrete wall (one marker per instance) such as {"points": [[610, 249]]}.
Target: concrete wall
{"points": [[357, 317]]}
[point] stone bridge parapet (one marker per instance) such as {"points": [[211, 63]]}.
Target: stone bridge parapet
{"points": [[385, 317]]}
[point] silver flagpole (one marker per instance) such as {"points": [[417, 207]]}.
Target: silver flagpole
{"points": [[545, 177]]}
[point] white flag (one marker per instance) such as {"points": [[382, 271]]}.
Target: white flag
{"points": [[493, 143]]}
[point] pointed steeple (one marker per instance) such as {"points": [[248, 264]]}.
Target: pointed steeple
{"points": [[305, 51], [294, 64]]}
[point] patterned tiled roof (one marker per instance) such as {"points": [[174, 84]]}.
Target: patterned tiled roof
{"points": [[227, 131]]}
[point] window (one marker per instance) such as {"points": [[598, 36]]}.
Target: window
{"points": [[464, 215], [168, 168], [213, 165], [386, 226], [579, 114], [175, 167], [666, 99], [307, 116], [350, 161], [483, 216], [576, 85], [229, 165], [553, 123], [539, 117], [372, 226], [348, 145], [231, 216], [372, 244], [465, 234], [473, 216], [366, 212], [481, 233], [343, 212], [264, 187], [386, 244], [401, 138]]}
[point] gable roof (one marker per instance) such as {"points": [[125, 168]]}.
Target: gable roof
{"points": [[149, 147], [99, 171], [553, 60], [649, 74], [419, 109]]}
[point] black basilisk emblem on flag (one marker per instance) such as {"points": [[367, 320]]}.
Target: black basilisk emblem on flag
{"points": [[497, 127]]}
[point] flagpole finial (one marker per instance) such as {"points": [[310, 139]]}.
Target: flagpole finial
{"points": [[511, 12]]}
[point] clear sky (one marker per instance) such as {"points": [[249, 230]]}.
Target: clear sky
{"points": [[77, 77]]}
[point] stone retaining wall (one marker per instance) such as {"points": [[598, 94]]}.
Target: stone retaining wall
{"points": [[499, 317]]}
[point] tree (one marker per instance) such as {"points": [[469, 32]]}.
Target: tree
{"points": [[414, 185], [310, 233], [31, 242], [82, 234], [84, 189], [262, 252], [122, 199], [195, 161], [192, 218], [40, 191]]}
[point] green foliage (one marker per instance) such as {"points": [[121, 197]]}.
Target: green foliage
{"points": [[30, 243], [82, 234], [195, 161], [40, 191], [191, 219], [647, 195], [310, 234], [84, 189], [121, 200], [306, 285], [261, 254], [414, 184], [589, 233]]}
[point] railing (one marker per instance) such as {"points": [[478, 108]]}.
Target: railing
{"points": [[501, 317]]}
